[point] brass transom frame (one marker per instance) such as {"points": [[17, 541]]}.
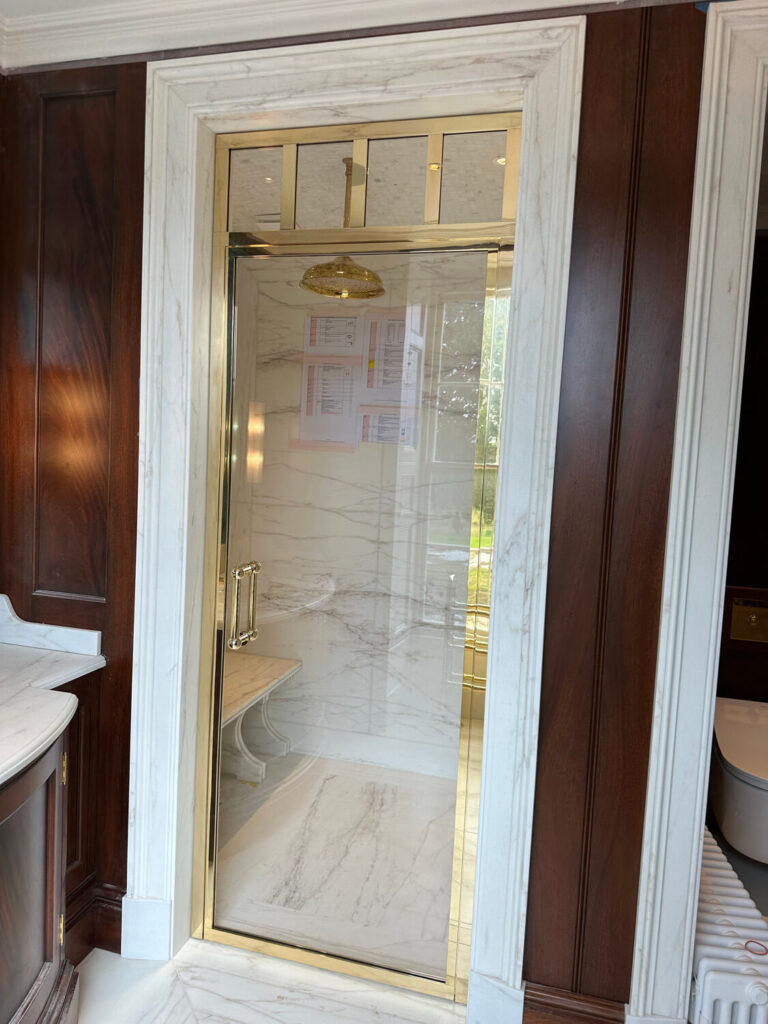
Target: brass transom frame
{"points": [[497, 239]]}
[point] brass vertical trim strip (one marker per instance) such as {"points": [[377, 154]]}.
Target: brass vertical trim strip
{"points": [[288, 197], [511, 173], [434, 179], [221, 192], [202, 894], [359, 183]]}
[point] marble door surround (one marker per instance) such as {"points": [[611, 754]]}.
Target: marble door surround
{"points": [[733, 107], [536, 67]]}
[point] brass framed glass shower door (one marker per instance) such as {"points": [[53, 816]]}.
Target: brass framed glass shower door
{"points": [[350, 545], [357, 532]]}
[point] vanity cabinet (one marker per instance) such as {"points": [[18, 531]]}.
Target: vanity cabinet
{"points": [[37, 983]]}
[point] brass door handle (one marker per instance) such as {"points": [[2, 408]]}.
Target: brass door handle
{"points": [[239, 638]]}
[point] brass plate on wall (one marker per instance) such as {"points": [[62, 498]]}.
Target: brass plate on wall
{"points": [[749, 620]]}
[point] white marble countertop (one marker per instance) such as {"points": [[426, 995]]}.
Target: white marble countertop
{"points": [[32, 714]]}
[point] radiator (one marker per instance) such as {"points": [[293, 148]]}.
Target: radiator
{"points": [[730, 963]]}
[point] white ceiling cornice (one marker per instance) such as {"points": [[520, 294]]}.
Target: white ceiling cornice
{"points": [[148, 26]]}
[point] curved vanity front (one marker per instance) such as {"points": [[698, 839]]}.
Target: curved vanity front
{"points": [[37, 983]]}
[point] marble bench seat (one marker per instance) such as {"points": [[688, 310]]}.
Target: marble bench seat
{"points": [[249, 679]]}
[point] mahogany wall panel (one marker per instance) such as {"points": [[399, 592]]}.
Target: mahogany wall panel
{"points": [[594, 315], [615, 435], [74, 286], [635, 563], [70, 276]]}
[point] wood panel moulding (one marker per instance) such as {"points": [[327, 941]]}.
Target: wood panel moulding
{"points": [[37, 983], [544, 1005], [615, 435], [69, 369]]}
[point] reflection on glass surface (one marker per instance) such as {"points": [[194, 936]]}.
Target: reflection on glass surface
{"points": [[473, 177], [396, 181], [321, 184], [254, 190], [364, 451]]}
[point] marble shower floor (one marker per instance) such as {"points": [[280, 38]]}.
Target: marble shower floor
{"points": [[210, 984], [346, 858]]}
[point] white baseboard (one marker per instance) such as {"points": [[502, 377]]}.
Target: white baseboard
{"points": [[146, 929], [493, 1002]]}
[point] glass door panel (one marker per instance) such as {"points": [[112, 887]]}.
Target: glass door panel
{"points": [[359, 515]]}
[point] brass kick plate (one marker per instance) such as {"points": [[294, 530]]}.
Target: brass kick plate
{"points": [[749, 620]]}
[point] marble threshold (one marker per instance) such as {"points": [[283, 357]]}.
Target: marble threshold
{"points": [[206, 983]]}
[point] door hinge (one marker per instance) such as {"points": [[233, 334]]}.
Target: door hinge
{"points": [[64, 769], [61, 929]]}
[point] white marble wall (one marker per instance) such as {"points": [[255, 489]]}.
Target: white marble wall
{"points": [[365, 550]]}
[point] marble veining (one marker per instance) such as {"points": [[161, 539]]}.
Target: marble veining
{"points": [[14, 630], [31, 716], [345, 858], [480, 70], [365, 551], [210, 984]]}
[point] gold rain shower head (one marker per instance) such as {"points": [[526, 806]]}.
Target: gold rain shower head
{"points": [[342, 278]]}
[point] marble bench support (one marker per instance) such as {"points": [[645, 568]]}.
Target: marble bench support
{"points": [[249, 680]]}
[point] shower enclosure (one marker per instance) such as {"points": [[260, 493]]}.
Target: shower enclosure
{"points": [[359, 461]]}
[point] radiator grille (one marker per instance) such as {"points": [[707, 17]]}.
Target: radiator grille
{"points": [[730, 964]]}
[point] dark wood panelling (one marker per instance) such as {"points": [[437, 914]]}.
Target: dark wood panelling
{"points": [[23, 902], [554, 1006], [623, 334], [748, 550], [80, 862], [74, 285], [635, 564], [70, 276], [744, 667], [611, 482], [36, 982], [594, 315]]}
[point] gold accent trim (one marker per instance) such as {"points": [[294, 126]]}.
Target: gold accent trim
{"points": [[358, 184], [342, 278], [372, 130], [64, 768], [204, 833], [511, 173], [496, 238], [239, 638], [398, 979], [419, 237], [61, 929], [288, 193], [434, 179], [749, 620]]}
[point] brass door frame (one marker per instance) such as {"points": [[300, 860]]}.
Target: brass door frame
{"points": [[497, 239]]}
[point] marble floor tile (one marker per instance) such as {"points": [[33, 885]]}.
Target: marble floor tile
{"points": [[210, 984], [131, 992], [345, 858]]}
